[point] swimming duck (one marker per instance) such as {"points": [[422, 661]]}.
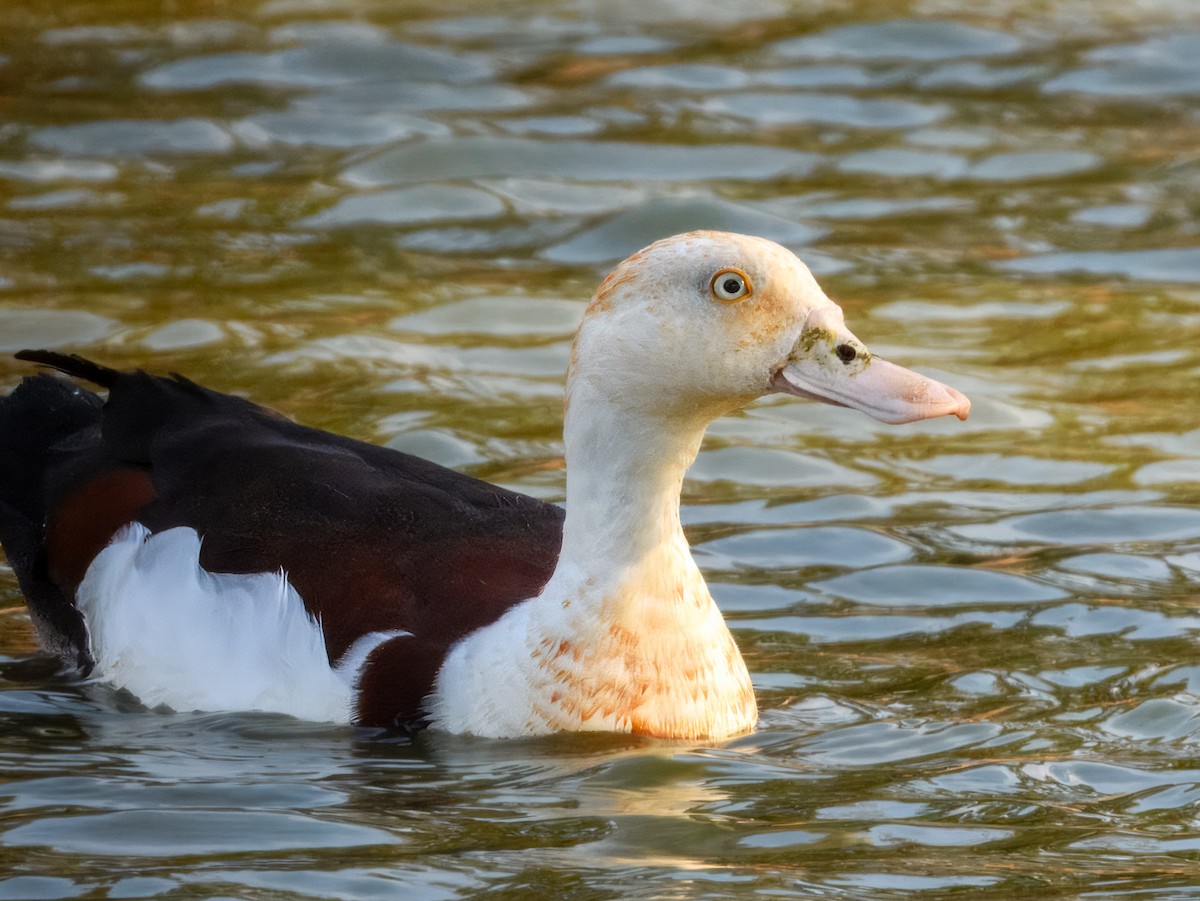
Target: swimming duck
{"points": [[205, 553]]}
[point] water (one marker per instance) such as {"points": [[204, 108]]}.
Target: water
{"points": [[975, 645]]}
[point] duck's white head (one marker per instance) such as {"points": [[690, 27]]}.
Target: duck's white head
{"points": [[702, 323]]}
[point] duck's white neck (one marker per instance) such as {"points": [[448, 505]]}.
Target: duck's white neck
{"points": [[625, 636], [625, 470]]}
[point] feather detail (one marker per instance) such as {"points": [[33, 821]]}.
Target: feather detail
{"points": [[175, 635]]}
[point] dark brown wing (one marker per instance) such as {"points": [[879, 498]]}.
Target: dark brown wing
{"points": [[371, 538]]}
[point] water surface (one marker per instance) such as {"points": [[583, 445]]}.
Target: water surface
{"points": [[975, 645]]}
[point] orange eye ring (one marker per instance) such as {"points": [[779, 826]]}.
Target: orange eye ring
{"points": [[731, 286]]}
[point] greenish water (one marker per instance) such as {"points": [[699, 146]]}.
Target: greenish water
{"points": [[975, 645]]}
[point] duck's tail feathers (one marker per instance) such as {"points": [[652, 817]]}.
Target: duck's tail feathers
{"points": [[46, 426], [72, 364]]}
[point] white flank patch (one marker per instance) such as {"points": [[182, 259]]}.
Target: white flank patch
{"points": [[173, 634]]}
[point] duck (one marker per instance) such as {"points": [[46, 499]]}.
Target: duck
{"points": [[205, 553]]}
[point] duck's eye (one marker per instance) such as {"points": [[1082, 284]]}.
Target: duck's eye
{"points": [[730, 286], [846, 352]]}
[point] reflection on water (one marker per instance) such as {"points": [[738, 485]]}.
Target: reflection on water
{"points": [[974, 643]]}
